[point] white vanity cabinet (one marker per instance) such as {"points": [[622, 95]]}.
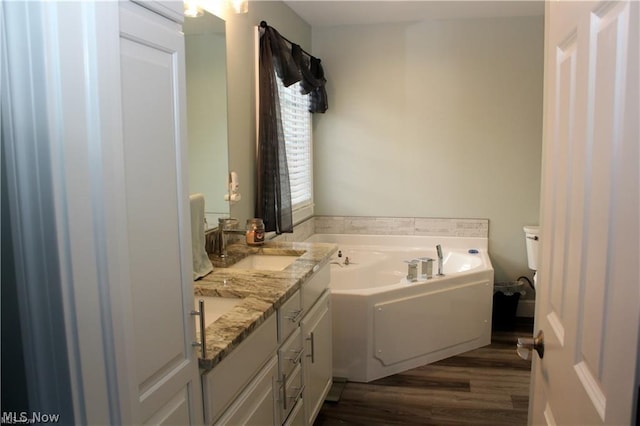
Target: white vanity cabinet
{"points": [[282, 372], [310, 352]]}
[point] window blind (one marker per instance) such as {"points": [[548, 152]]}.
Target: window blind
{"points": [[296, 124]]}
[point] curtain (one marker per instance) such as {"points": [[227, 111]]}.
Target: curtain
{"points": [[279, 58]]}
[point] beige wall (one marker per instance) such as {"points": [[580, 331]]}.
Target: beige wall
{"points": [[434, 119]]}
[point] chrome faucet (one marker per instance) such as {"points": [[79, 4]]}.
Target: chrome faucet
{"points": [[426, 268], [412, 270], [226, 226], [440, 260]]}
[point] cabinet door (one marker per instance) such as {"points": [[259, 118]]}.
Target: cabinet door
{"points": [[167, 386], [317, 365], [256, 404]]}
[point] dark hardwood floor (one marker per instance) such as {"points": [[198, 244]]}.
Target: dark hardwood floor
{"points": [[487, 386]]}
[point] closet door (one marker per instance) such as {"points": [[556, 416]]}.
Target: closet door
{"points": [[167, 382]]}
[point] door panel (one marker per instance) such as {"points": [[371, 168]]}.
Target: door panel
{"points": [[588, 296], [155, 257], [158, 243]]}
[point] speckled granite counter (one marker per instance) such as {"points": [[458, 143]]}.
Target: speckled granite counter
{"points": [[262, 292]]}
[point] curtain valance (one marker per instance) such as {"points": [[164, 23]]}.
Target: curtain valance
{"points": [[292, 64]]}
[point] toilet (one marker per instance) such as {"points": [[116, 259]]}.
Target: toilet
{"points": [[532, 238]]}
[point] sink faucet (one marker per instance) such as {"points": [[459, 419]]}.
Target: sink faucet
{"points": [[440, 259], [226, 226]]}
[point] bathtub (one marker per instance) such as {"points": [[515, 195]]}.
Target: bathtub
{"points": [[383, 324]]}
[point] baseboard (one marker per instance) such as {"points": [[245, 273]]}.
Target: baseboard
{"points": [[526, 308]]}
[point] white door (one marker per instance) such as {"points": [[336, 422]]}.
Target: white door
{"points": [[588, 294]]}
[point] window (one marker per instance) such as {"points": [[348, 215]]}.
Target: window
{"points": [[296, 124]]}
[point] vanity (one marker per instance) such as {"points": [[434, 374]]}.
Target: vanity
{"points": [[267, 356]]}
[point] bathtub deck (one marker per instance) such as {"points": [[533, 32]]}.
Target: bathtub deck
{"points": [[487, 386]]}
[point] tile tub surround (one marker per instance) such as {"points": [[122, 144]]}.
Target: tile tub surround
{"points": [[301, 231], [262, 292], [424, 226], [434, 227]]}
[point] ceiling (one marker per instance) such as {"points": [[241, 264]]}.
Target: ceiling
{"points": [[326, 13]]}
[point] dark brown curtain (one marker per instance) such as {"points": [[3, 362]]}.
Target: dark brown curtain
{"points": [[279, 58]]}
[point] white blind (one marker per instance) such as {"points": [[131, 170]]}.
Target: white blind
{"points": [[296, 123]]}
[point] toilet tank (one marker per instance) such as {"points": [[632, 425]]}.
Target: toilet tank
{"points": [[532, 238]]}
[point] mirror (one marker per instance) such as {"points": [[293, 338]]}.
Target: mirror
{"points": [[206, 63]]}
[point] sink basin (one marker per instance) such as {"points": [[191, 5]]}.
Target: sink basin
{"points": [[215, 307], [264, 262]]}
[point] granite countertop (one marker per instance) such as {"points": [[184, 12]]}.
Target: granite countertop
{"points": [[262, 292]]}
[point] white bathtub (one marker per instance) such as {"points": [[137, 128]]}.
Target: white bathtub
{"points": [[383, 324]]}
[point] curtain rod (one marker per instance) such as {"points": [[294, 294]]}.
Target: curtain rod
{"points": [[263, 24]]}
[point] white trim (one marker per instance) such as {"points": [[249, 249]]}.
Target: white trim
{"points": [[84, 33], [303, 213], [592, 388], [548, 416], [39, 233]]}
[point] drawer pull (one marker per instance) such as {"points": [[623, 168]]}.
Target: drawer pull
{"points": [[312, 355], [296, 359], [298, 393], [295, 315]]}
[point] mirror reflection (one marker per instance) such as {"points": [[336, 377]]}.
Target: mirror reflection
{"points": [[206, 63]]}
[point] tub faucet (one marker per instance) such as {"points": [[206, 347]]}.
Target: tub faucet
{"points": [[412, 270], [426, 267], [440, 260]]}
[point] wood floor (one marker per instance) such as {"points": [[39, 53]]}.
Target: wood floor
{"points": [[487, 386]]}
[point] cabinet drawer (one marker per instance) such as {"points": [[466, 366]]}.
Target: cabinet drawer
{"points": [[290, 353], [314, 287], [291, 392], [296, 418], [289, 316], [225, 382], [255, 406]]}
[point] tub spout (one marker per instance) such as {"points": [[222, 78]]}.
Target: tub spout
{"points": [[440, 260], [412, 270]]}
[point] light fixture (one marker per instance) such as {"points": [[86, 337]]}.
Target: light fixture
{"points": [[192, 9], [240, 6]]}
